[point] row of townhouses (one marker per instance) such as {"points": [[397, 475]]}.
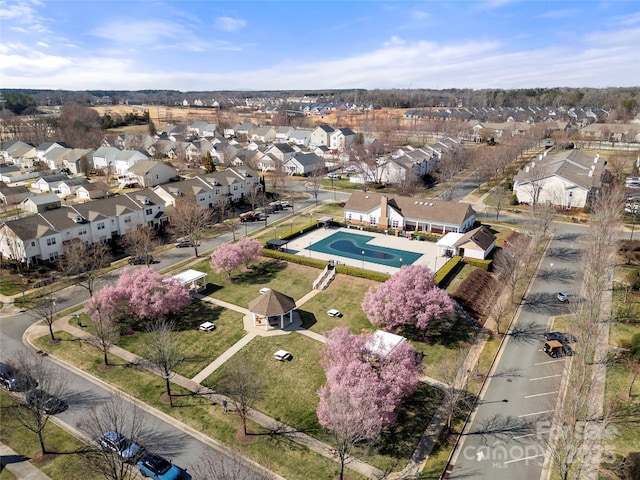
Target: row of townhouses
{"points": [[42, 237]]}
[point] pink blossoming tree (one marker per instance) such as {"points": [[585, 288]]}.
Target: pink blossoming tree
{"points": [[410, 297], [249, 249], [363, 390], [226, 258]]}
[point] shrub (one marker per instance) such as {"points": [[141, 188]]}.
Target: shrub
{"points": [[634, 350], [482, 264], [513, 200], [447, 268], [360, 273]]}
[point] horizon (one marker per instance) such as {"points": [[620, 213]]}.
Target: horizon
{"points": [[197, 46]]}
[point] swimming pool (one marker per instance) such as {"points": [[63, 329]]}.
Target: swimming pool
{"points": [[352, 245]]}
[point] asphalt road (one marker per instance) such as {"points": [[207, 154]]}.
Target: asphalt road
{"points": [[508, 433]]}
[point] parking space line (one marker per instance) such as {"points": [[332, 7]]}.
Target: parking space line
{"points": [[524, 436], [544, 378], [540, 394], [535, 413], [550, 361], [523, 458]]}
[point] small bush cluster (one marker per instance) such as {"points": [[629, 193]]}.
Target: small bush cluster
{"points": [[447, 268], [482, 264]]}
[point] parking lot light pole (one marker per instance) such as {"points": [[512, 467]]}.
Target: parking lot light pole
{"points": [[363, 259]]}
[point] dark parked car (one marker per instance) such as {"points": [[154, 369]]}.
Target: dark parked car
{"points": [[126, 449], [15, 381], [154, 466], [184, 244], [560, 337], [141, 260], [47, 403]]}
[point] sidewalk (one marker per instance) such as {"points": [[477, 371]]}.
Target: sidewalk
{"points": [[18, 465]]}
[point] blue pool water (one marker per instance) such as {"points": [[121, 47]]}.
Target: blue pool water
{"points": [[351, 245]]}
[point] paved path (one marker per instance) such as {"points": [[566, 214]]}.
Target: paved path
{"points": [[18, 465], [218, 362]]}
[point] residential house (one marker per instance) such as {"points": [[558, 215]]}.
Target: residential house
{"points": [[199, 189], [303, 164], [40, 203], [92, 191], [50, 183], [42, 237], [149, 173], [127, 158], [341, 139], [612, 132], [280, 151], [46, 147], [104, 158], [13, 195], [20, 153], [321, 135], [77, 160], [54, 158], [407, 213], [301, 137], [245, 130], [283, 133], [477, 243], [264, 134], [566, 179], [70, 186]]}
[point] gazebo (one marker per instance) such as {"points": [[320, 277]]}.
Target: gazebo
{"points": [[191, 277], [268, 307]]}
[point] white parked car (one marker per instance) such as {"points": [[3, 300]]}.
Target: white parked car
{"points": [[207, 327], [564, 296], [282, 355]]}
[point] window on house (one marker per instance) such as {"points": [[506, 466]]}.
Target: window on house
{"points": [[51, 241], [349, 217], [395, 224], [100, 226], [127, 220], [360, 217], [148, 211], [83, 231], [372, 220]]}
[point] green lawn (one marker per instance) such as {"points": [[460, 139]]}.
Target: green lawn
{"points": [[302, 376], [291, 279], [292, 461], [345, 293], [68, 465], [200, 348]]}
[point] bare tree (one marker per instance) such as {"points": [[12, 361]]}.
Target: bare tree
{"points": [[409, 184], [115, 415], [85, 261], [537, 180], [455, 397], [242, 385], [230, 466], [500, 199], [255, 195], [44, 305], [314, 184], [511, 261], [42, 402], [140, 242], [107, 329], [499, 313], [164, 352], [189, 220]]}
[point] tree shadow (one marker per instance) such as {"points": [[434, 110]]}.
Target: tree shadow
{"points": [[563, 274], [448, 332], [528, 332], [564, 253], [261, 273], [414, 414], [501, 427], [508, 373], [307, 319], [568, 237], [544, 303], [210, 289], [196, 312]]}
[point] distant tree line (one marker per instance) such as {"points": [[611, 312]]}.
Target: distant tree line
{"points": [[113, 121], [625, 99]]}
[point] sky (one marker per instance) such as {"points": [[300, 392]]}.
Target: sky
{"points": [[209, 45]]}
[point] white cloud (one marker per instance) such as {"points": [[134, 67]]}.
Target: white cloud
{"points": [[420, 15], [394, 41], [561, 13], [229, 24], [42, 44]]}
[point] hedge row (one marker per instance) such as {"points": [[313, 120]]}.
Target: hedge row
{"points": [[424, 236], [446, 269], [358, 272], [482, 264]]}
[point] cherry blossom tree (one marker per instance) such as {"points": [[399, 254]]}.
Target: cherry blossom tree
{"points": [[363, 389], [249, 250], [226, 258], [410, 297], [143, 293]]}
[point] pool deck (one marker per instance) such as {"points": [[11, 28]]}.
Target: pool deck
{"points": [[427, 249]]}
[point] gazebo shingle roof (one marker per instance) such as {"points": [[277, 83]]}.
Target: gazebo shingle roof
{"points": [[272, 303]]}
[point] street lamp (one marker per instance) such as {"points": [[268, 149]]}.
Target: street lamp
{"points": [[275, 231], [363, 259], [400, 262]]}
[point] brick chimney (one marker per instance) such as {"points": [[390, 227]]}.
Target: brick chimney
{"points": [[383, 221]]}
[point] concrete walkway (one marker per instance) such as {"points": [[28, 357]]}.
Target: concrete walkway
{"points": [[18, 465], [218, 362]]}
